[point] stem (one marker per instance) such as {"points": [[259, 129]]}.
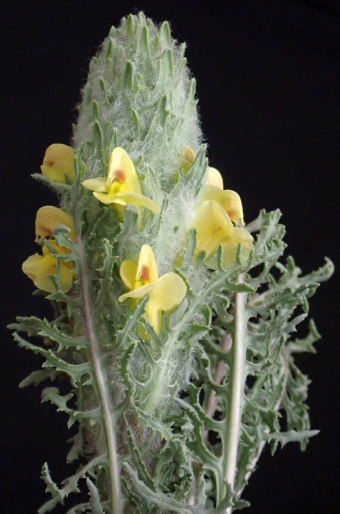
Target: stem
{"points": [[252, 464], [237, 382], [103, 394]]}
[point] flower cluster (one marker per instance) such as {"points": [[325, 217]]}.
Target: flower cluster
{"points": [[218, 220], [41, 268]]}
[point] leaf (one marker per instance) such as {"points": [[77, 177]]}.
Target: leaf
{"points": [[36, 377], [291, 436], [155, 502], [136, 458], [75, 371], [57, 494], [96, 507], [77, 449], [306, 344]]}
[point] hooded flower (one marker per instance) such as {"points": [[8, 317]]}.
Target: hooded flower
{"points": [[142, 279], [47, 218], [58, 163], [213, 228], [39, 268], [228, 199], [121, 186], [213, 188]]}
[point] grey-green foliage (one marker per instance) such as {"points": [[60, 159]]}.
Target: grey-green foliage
{"points": [[152, 416]]}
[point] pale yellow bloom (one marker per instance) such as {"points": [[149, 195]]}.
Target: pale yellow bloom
{"points": [[39, 268], [142, 279], [121, 186], [214, 178], [58, 163], [48, 217], [228, 199], [213, 228]]}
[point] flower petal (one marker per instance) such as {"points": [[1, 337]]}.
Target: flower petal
{"points": [[228, 199], [168, 292], [57, 152], [109, 198], [66, 276], [38, 268], [48, 217], [128, 198], [241, 237], [214, 178], [58, 161], [230, 245], [128, 271], [146, 266], [96, 184], [121, 168], [139, 292], [138, 200], [212, 226]]}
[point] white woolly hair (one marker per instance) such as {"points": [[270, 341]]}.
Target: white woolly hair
{"points": [[117, 104], [128, 81]]}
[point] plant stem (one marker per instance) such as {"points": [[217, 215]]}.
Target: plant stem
{"points": [[252, 465], [237, 382], [103, 393]]}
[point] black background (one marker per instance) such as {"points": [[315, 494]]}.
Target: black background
{"points": [[268, 79]]}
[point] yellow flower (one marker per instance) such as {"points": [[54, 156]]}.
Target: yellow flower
{"points": [[142, 279], [213, 228], [58, 163], [228, 199], [47, 218], [121, 185], [39, 268]]}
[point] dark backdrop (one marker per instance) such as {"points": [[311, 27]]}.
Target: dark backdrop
{"points": [[268, 78]]}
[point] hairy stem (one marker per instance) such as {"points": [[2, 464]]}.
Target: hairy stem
{"points": [[252, 465], [237, 382], [103, 393]]}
